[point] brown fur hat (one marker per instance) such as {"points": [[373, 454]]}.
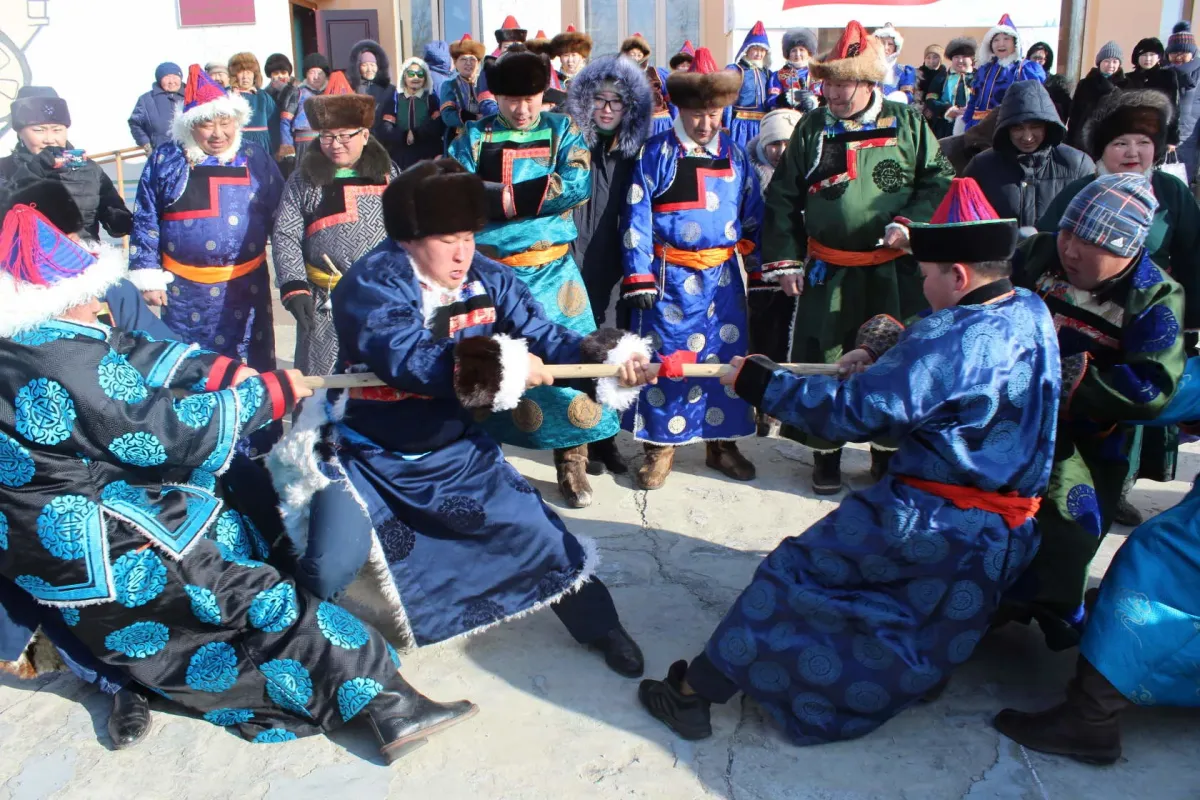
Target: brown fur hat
{"points": [[328, 111], [572, 41], [540, 44], [466, 46], [519, 72], [241, 61], [432, 198], [704, 85], [637, 41], [857, 56]]}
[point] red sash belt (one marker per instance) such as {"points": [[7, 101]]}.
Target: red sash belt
{"points": [[1013, 509]]}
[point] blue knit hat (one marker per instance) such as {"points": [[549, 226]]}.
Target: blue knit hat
{"points": [[1182, 39], [1114, 212], [167, 68]]}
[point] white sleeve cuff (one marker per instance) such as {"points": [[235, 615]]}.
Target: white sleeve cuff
{"points": [[150, 280], [514, 370], [609, 392]]}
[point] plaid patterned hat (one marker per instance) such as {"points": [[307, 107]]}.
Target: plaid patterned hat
{"points": [[1113, 212]]}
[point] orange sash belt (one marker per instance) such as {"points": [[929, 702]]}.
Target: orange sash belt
{"points": [[1012, 509], [535, 258], [749, 114], [852, 258], [384, 394], [702, 259], [213, 274]]}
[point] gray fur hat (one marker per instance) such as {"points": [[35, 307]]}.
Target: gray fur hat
{"points": [[804, 37]]}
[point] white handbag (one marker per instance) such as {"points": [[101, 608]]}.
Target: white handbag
{"points": [[1173, 166]]}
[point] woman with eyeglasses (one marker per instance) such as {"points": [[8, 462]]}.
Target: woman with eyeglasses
{"points": [[412, 129]]}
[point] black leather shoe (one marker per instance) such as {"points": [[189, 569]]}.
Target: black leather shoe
{"points": [[827, 472], [621, 653], [404, 719], [129, 721], [686, 714], [604, 455]]}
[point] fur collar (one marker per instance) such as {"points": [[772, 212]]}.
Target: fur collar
{"points": [[374, 164], [634, 88]]}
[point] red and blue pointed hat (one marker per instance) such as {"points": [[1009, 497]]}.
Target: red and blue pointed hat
{"points": [[685, 55], [1005, 25], [757, 37], [964, 229], [43, 273], [204, 100]]}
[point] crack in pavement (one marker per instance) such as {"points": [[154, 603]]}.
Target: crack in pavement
{"points": [[731, 754]]}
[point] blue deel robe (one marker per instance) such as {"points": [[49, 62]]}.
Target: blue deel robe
{"points": [[263, 127], [294, 128], [691, 203], [785, 82], [211, 215], [665, 112], [487, 100], [468, 542], [547, 171], [859, 616], [900, 75], [992, 81], [460, 104], [743, 118]]}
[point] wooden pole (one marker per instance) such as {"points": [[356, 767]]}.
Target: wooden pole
{"points": [[570, 371]]}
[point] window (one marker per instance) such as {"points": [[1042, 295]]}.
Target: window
{"points": [[422, 25], [604, 26], [457, 18], [683, 25], [665, 24]]}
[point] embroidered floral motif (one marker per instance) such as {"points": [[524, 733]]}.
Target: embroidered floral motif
{"points": [[140, 449], [274, 736], [354, 694], [16, 465], [288, 684], [70, 616], [341, 627], [225, 717], [397, 539], [231, 536], [480, 612], [250, 394], [40, 336], [45, 412], [203, 479], [213, 668], [63, 526], [139, 577], [462, 514], [197, 410], [139, 640], [888, 175], [274, 610], [120, 381], [121, 490], [204, 604]]}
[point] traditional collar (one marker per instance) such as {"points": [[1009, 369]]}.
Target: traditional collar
{"points": [[1117, 287], [982, 295], [712, 148], [502, 122], [863, 119]]}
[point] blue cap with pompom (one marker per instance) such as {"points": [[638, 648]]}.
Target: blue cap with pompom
{"points": [[1182, 39]]}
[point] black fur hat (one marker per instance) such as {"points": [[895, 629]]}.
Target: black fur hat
{"points": [[432, 198], [518, 73], [278, 62], [317, 61], [1144, 111]]}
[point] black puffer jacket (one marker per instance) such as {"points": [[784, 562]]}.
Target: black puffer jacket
{"points": [[1088, 94], [1165, 80], [1187, 110], [1020, 185], [90, 187]]}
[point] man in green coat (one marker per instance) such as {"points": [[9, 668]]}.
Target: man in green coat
{"points": [[1120, 331], [835, 213]]}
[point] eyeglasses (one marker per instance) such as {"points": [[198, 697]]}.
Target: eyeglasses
{"points": [[340, 138], [408, 73], [599, 103]]}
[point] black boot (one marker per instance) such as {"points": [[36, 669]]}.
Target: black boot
{"points": [[1127, 513], [129, 720], [621, 652], [686, 714], [404, 718], [880, 458], [1085, 727], [827, 472], [604, 455]]}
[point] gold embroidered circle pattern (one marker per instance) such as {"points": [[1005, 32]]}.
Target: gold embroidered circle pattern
{"points": [[572, 300], [584, 412], [527, 416]]}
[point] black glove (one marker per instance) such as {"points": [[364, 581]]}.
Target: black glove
{"points": [[300, 305], [643, 301]]}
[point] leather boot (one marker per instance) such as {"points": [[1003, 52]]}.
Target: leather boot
{"points": [[766, 425], [571, 465], [880, 458], [129, 720], [1086, 727], [621, 652], [653, 472], [604, 455], [827, 472], [725, 458], [403, 719], [689, 715]]}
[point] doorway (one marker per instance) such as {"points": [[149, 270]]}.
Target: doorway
{"points": [[304, 35]]}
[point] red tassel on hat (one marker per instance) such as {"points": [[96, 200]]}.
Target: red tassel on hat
{"points": [[338, 84], [704, 62]]}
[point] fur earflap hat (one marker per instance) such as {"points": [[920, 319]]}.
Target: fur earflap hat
{"points": [[466, 46], [518, 73], [540, 44], [857, 56], [572, 41], [704, 85], [244, 61], [1144, 111], [434, 198], [340, 107], [278, 62], [636, 42], [962, 46]]}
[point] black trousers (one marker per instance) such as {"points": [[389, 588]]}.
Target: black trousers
{"points": [[709, 682], [588, 613]]}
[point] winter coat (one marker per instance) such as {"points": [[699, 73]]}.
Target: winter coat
{"points": [[961, 148], [381, 87], [1188, 104], [930, 81], [761, 165], [437, 56], [150, 122], [1020, 185], [412, 127], [90, 187], [597, 248], [944, 91], [1088, 94], [1167, 81]]}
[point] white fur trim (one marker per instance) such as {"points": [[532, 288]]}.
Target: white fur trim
{"points": [[294, 467], [24, 306], [609, 392], [960, 125], [985, 46], [897, 97], [514, 370], [227, 106], [149, 280], [895, 226], [888, 32]]}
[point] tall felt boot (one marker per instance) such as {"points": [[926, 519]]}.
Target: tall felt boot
{"points": [[728, 460], [571, 465], [880, 458], [1085, 727], [604, 455], [403, 719], [653, 472], [827, 471]]}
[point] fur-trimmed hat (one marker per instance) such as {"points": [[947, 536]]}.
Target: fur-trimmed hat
{"points": [[1144, 111], [686, 54], [704, 85], [433, 198], [1151, 44], [38, 105], [205, 100], [636, 42], [518, 72], [800, 37], [466, 46], [888, 31], [244, 61], [572, 41], [539, 43], [1007, 27], [965, 229], [339, 107], [620, 75], [278, 62], [510, 31], [857, 56], [962, 46]]}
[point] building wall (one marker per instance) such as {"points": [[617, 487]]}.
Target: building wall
{"points": [[101, 59], [390, 14]]}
